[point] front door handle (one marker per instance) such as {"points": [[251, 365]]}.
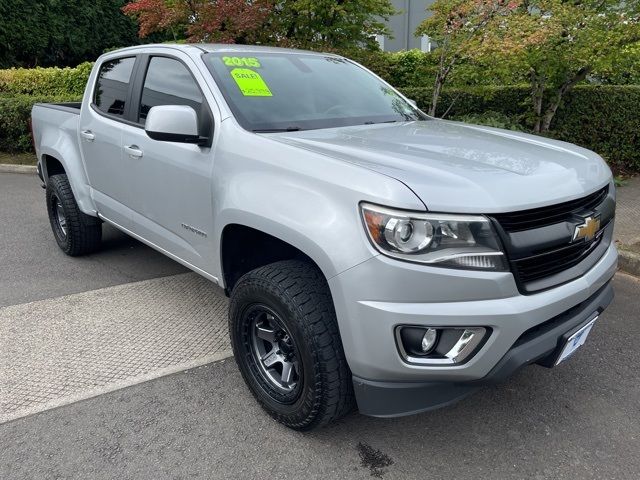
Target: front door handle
{"points": [[133, 151], [88, 135]]}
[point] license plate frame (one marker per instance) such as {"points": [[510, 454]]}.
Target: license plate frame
{"points": [[575, 341]]}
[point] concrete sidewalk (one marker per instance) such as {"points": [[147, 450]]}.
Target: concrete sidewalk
{"points": [[61, 350], [627, 228]]}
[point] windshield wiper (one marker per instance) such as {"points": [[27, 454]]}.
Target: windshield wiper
{"points": [[274, 130], [387, 121]]}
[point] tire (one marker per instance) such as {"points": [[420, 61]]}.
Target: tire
{"points": [[75, 232], [295, 296]]}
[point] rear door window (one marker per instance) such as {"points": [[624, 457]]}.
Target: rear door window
{"points": [[112, 87]]}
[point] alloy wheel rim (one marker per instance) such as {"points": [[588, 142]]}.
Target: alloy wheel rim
{"points": [[60, 217], [274, 350]]}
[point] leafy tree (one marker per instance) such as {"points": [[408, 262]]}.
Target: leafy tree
{"points": [[623, 68], [329, 23], [557, 44], [61, 32], [299, 23], [456, 25], [225, 21]]}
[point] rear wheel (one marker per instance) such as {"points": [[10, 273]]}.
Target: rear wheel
{"points": [[286, 342], [75, 232]]}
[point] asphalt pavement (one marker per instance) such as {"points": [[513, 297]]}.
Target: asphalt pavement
{"points": [[73, 328], [33, 268], [579, 420]]}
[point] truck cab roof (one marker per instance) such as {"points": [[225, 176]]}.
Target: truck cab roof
{"points": [[218, 47]]}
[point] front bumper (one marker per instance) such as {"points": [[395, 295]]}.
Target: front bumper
{"points": [[540, 345], [374, 297]]}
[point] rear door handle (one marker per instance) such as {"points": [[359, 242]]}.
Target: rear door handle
{"points": [[133, 151], [88, 135]]}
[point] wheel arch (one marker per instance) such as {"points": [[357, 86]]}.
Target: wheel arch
{"points": [[244, 248], [51, 166], [54, 162]]}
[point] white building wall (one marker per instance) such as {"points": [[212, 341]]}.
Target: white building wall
{"points": [[404, 25]]}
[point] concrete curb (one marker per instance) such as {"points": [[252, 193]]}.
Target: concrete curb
{"points": [[8, 168], [629, 262]]}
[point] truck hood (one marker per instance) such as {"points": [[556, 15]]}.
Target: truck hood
{"points": [[455, 167]]}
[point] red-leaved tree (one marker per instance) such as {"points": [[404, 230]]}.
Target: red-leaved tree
{"points": [[224, 21]]}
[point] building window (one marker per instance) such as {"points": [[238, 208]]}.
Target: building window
{"points": [[425, 43]]}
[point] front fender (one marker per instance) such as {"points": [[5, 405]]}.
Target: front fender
{"points": [[313, 247], [308, 200]]}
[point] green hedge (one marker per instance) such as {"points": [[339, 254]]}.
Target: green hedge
{"points": [[401, 69], [45, 81], [510, 100], [14, 119], [602, 118], [20, 88], [605, 119]]}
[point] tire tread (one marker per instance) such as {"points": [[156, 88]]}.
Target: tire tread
{"points": [[304, 289], [84, 232]]}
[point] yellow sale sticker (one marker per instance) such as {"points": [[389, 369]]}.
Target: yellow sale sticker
{"points": [[250, 83]]}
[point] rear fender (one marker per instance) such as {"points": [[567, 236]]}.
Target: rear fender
{"points": [[62, 145]]}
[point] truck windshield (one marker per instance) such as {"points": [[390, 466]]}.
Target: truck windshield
{"points": [[270, 92]]}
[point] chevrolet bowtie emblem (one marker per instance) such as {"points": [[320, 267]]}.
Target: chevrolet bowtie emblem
{"points": [[587, 230]]}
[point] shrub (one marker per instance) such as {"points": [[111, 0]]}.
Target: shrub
{"points": [[375, 60], [411, 68], [14, 119], [20, 88], [493, 119], [604, 119], [45, 81], [455, 102]]}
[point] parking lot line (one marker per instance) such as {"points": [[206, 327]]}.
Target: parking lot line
{"points": [[60, 350]]}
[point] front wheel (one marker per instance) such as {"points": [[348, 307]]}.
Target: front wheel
{"points": [[75, 232], [286, 343]]}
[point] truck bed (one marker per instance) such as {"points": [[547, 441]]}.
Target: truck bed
{"points": [[55, 131]]}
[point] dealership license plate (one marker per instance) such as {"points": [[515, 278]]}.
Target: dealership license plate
{"points": [[575, 341]]}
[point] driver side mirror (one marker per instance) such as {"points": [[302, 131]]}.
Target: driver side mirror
{"points": [[173, 123], [413, 102]]}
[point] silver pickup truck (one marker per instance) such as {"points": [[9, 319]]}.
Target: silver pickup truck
{"points": [[373, 255]]}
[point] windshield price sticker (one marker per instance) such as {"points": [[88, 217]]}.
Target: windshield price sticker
{"points": [[250, 83], [241, 62]]}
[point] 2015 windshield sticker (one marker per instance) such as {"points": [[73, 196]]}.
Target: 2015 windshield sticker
{"points": [[241, 62], [250, 83]]}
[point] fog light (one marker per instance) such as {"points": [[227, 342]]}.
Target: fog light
{"points": [[429, 340], [426, 345]]}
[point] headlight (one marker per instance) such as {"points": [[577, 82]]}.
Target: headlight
{"points": [[454, 241]]}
